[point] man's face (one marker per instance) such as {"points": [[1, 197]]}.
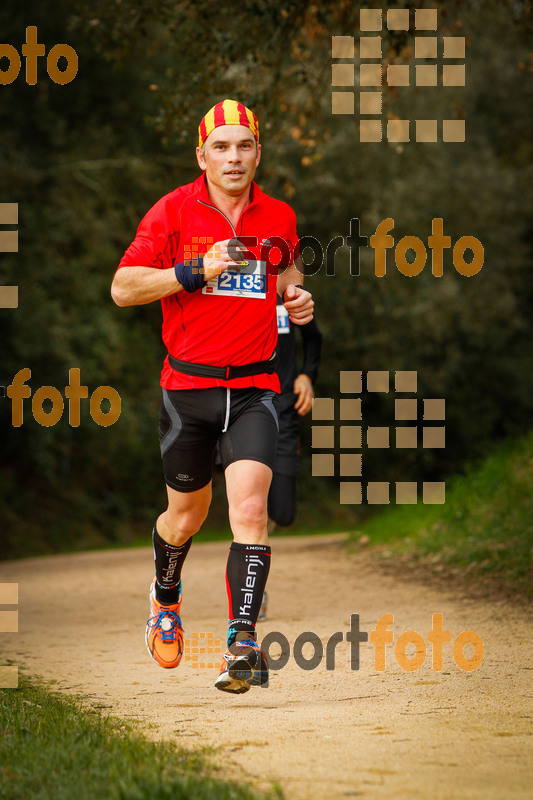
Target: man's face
{"points": [[230, 158]]}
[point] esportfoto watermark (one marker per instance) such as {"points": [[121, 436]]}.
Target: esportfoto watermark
{"points": [[9, 243], [74, 392], [9, 623], [375, 71], [467, 252], [31, 51], [339, 438], [203, 645]]}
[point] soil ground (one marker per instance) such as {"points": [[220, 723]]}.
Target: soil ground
{"points": [[318, 733]]}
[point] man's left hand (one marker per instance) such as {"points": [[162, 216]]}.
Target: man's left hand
{"points": [[299, 304]]}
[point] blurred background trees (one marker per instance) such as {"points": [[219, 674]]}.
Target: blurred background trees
{"points": [[85, 161]]}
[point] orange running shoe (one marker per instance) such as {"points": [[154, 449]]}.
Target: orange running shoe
{"points": [[244, 665], [164, 633]]}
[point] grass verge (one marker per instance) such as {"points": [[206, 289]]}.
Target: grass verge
{"points": [[485, 527], [52, 748]]}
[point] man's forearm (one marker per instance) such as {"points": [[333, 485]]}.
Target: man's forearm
{"points": [[291, 275], [136, 286]]}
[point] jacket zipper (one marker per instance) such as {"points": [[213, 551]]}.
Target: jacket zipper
{"points": [[207, 205]]}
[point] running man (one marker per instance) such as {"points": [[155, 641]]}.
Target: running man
{"points": [[215, 252]]}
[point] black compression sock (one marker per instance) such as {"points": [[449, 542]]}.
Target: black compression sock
{"points": [[168, 563], [246, 577]]}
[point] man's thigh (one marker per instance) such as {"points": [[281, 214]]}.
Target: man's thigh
{"points": [[253, 428], [190, 422]]}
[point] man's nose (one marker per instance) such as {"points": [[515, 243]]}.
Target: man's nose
{"points": [[234, 154]]}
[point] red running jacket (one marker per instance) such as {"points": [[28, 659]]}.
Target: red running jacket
{"points": [[232, 320]]}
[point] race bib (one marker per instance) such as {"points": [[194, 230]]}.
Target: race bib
{"points": [[248, 282], [283, 320]]}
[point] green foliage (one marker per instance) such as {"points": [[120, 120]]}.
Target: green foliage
{"points": [[485, 525], [50, 745], [85, 160]]}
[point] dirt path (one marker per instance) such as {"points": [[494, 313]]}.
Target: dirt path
{"points": [[334, 734]]}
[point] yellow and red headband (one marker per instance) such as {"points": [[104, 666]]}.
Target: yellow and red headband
{"points": [[228, 112]]}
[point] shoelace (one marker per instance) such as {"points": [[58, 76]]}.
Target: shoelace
{"points": [[232, 633], [229, 656], [249, 642], [168, 636]]}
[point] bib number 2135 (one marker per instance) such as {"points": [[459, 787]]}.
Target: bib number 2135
{"points": [[247, 282]]}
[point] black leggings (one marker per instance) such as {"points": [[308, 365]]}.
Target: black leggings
{"points": [[282, 499]]}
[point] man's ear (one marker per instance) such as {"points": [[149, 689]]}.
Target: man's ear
{"points": [[200, 158], [258, 159]]}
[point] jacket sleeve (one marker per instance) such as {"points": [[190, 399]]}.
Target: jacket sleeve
{"points": [[312, 346], [156, 242]]}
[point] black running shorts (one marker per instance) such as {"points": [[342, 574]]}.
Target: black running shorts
{"points": [[192, 421]]}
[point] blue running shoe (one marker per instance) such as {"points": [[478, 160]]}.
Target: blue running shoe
{"points": [[244, 666]]}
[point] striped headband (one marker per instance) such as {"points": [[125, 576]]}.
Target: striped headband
{"points": [[228, 112]]}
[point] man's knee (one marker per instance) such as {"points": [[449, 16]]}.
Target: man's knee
{"points": [[190, 521], [251, 511], [181, 524]]}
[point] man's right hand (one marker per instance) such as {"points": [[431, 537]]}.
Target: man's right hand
{"points": [[218, 259]]}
